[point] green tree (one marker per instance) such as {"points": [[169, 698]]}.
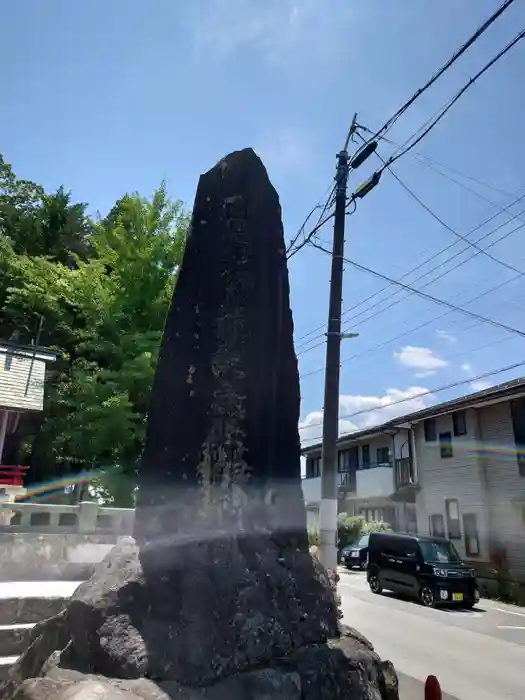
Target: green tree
{"points": [[37, 223], [104, 315]]}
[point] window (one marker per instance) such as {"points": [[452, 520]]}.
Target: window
{"points": [[470, 528], [343, 461], [398, 546], [313, 467], [437, 525], [408, 548], [453, 524], [430, 430], [8, 361], [517, 409], [365, 456], [459, 422], [438, 552], [445, 445], [383, 455], [347, 460]]}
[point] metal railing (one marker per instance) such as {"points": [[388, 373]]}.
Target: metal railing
{"points": [[404, 472], [348, 481]]}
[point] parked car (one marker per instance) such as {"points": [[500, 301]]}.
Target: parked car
{"points": [[354, 556], [428, 569]]}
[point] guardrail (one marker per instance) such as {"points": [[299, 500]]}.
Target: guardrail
{"points": [[86, 517]]}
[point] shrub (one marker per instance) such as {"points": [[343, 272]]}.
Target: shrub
{"points": [[351, 527], [375, 526], [313, 537]]}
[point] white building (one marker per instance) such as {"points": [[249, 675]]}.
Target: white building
{"points": [[455, 469], [22, 379]]}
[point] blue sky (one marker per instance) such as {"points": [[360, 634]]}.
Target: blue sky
{"points": [[108, 97]]}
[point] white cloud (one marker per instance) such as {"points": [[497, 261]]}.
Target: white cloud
{"points": [[422, 361], [369, 410], [480, 385], [311, 428], [282, 31], [449, 338], [467, 368]]}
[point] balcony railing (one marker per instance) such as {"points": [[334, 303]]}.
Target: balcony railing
{"points": [[347, 481], [404, 472]]}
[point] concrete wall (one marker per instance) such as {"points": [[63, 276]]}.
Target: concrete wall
{"points": [[375, 482], [458, 477], [88, 517], [54, 542], [483, 476], [505, 486], [311, 490], [42, 557], [312, 518]]}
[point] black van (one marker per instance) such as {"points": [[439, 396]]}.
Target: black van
{"points": [[356, 555], [426, 568]]}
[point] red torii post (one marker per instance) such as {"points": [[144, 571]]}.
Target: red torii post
{"points": [[11, 475], [432, 689]]}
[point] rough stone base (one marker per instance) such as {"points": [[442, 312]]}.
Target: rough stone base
{"points": [[233, 619], [344, 669]]}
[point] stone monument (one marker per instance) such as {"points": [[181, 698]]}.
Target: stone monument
{"points": [[217, 595]]}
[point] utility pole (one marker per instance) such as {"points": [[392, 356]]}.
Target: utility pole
{"points": [[328, 505], [329, 485]]}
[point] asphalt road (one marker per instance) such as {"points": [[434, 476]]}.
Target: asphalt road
{"points": [[476, 655]]}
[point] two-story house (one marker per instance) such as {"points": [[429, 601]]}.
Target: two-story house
{"points": [[22, 379], [455, 469], [375, 476]]}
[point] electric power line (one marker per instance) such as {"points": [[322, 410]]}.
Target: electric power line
{"points": [[425, 295], [435, 216], [424, 274], [328, 200], [459, 52], [442, 274], [449, 104], [434, 164], [367, 351], [453, 101], [346, 311]]}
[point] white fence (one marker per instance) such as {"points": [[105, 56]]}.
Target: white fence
{"points": [[86, 517]]}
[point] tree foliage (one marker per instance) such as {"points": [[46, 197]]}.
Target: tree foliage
{"points": [[102, 288]]}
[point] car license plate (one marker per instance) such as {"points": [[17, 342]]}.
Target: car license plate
{"points": [[354, 554], [457, 597]]}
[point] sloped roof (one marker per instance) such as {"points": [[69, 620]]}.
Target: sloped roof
{"points": [[468, 401]]}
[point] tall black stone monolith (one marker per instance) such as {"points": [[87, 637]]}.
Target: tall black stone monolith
{"points": [[222, 450], [217, 596]]}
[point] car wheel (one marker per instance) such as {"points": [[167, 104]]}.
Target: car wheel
{"points": [[362, 565], [426, 596], [374, 584]]}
